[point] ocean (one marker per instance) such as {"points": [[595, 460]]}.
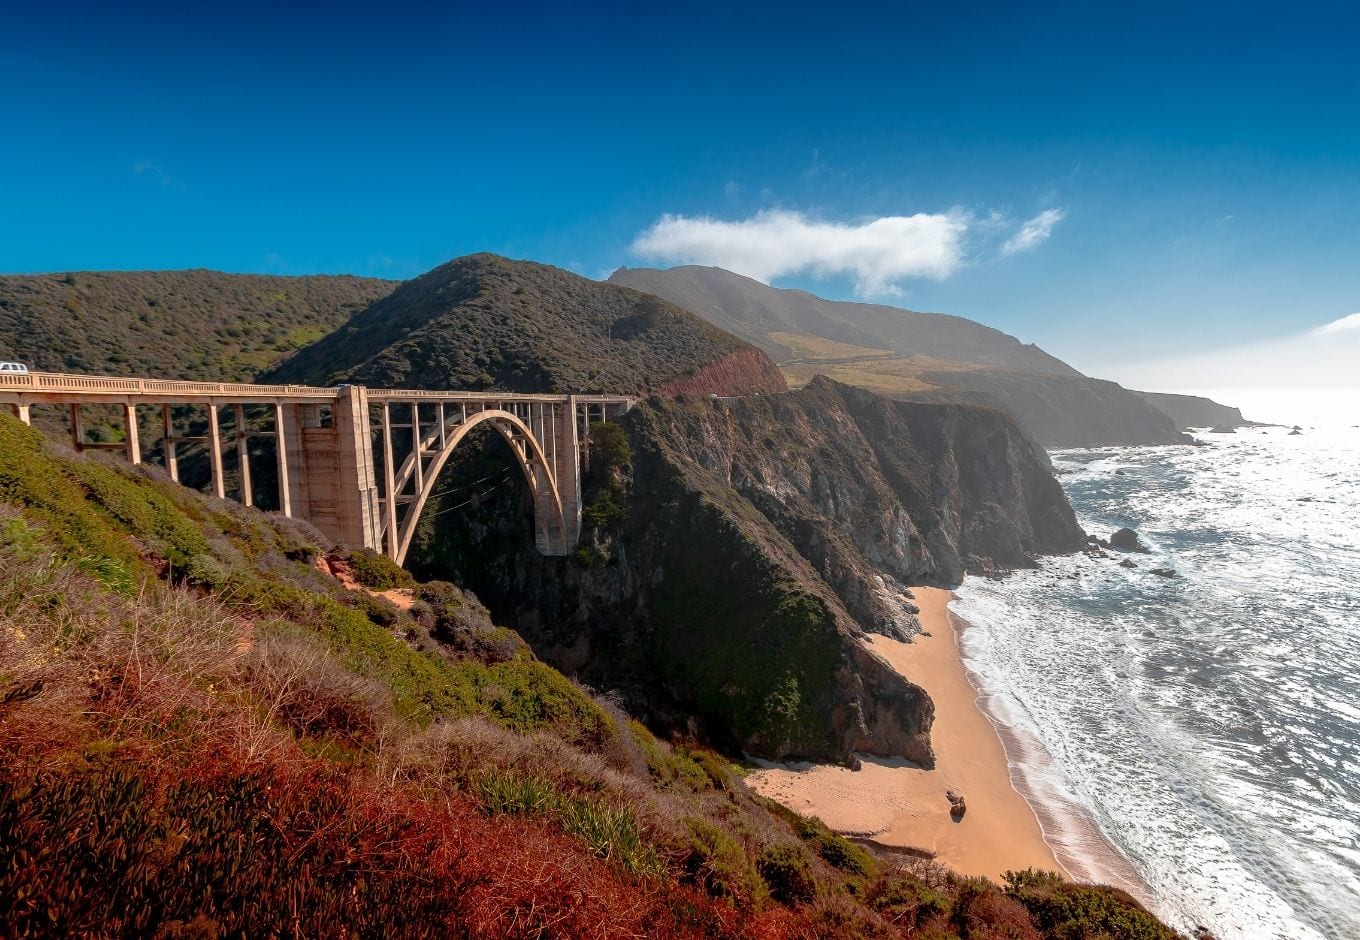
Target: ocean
{"points": [[1207, 724]]}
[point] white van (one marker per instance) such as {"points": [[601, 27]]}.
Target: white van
{"points": [[13, 368]]}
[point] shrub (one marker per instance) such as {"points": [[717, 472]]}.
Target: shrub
{"points": [[836, 850], [981, 909], [904, 899], [788, 873], [1066, 910], [721, 866], [606, 509], [377, 571], [609, 447]]}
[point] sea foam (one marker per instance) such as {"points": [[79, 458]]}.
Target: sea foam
{"points": [[1207, 725]]}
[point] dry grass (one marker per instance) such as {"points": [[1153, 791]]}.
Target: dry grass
{"points": [[898, 375]]}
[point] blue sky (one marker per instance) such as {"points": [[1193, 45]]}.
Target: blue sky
{"points": [[1193, 170]]}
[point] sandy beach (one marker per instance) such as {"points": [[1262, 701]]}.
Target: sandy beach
{"points": [[898, 804]]}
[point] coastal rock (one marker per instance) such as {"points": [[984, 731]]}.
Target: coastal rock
{"points": [[1128, 563], [1165, 573], [1127, 540], [1222, 429], [957, 805]]}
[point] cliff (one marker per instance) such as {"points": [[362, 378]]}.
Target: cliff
{"points": [[486, 322], [728, 570], [1067, 411], [1194, 411]]}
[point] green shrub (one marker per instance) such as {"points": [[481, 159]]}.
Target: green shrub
{"points": [[788, 873], [906, 900], [721, 866], [836, 850], [205, 571], [609, 447], [377, 571], [606, 509], [1065, 910]]}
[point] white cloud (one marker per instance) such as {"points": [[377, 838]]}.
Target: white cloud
{"points": [[1034, 232], [876, 255], [1342, 325]]}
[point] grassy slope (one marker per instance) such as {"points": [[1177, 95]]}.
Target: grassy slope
{"points": [[770, 317], [203, 734], [202, 325]]}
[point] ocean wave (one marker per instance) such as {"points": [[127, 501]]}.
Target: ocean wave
{"points": [[1208, 725]]}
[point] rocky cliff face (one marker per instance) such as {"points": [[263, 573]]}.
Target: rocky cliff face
{"points": [[749, 545], [1067, 411], [747, 370], [1194, 411]]}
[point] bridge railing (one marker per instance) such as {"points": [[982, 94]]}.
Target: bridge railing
{"points": [[57, 382]]}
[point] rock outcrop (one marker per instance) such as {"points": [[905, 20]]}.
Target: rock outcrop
{"points": [[1127, 540]]}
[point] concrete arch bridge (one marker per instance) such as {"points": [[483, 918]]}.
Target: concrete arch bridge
{"points": [[358, 463]]}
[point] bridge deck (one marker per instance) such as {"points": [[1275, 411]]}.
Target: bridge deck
{"points": [[60, 388]]}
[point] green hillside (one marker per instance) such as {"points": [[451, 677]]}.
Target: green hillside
{"points": [[486, 322], [202, 325]]}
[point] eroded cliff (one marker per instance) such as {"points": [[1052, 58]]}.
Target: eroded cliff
{"points": [[731, 565]]}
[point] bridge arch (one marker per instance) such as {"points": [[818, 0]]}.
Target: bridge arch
{"points": [[550, 521]]}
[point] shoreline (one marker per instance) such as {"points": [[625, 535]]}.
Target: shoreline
{"points": [[1082, 850], [900, 805]]}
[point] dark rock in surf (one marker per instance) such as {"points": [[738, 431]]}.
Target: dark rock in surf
{"points": [[1128, 563], [1165, 573], [1127, 540]]}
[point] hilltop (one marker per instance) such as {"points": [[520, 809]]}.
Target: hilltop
{"points": [[200, 325], [906, 354], [486, 322]]}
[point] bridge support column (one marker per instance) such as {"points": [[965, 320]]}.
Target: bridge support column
{"points": [[243, 456], [215, 452], [293, 423], [21, 412], [566, 459], [389, 485], [168, 444], [77, 429], [358, 508], [281, 461], [131, 434]]}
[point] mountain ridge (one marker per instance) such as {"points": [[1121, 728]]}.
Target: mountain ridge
{"points": [[913, 355]]}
